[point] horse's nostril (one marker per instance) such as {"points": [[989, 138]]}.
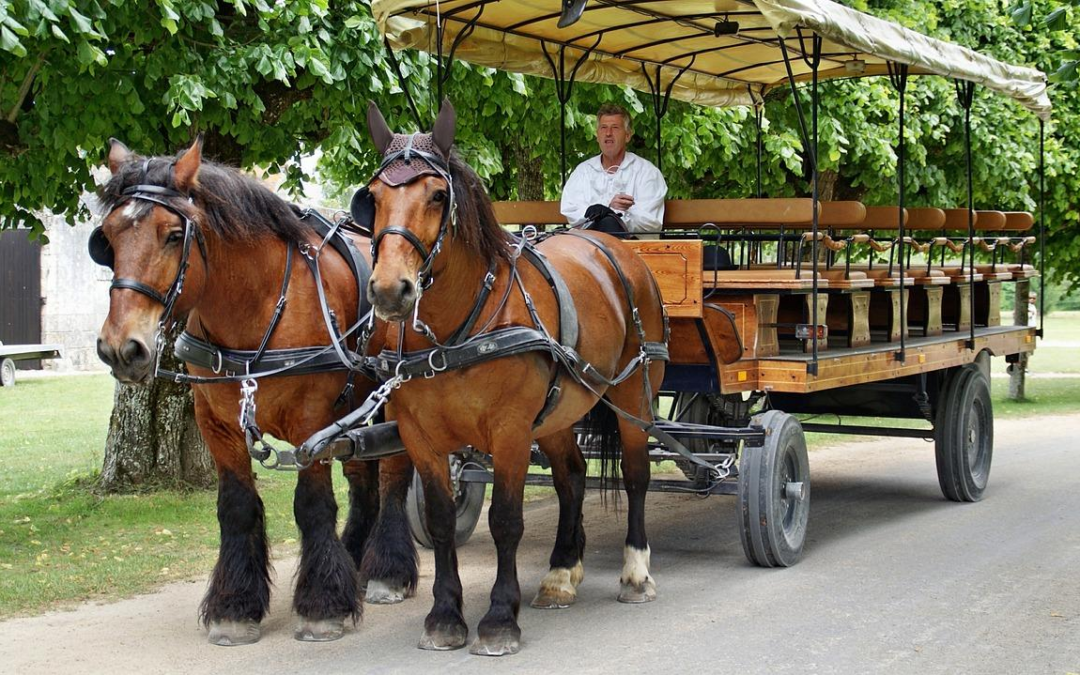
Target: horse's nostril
{"points": [[406, 289], [106, 353], [134, 352]]}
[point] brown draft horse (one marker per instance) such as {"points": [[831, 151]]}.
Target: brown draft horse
{"points": [[233, 278], [421, 251]]}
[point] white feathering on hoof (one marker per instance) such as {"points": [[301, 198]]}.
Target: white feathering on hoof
{"points": [[636, 566]]}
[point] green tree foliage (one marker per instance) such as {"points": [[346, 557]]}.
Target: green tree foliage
{"points": [[268, 82]]}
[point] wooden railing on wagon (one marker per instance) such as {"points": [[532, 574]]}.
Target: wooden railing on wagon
{"points": [[857, 301]]}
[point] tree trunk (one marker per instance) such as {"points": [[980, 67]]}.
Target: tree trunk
{"points": [[153, 439], [1018, 370], [530, 172]]}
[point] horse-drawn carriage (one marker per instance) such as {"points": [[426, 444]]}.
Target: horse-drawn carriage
{"points": [[740, 314]]}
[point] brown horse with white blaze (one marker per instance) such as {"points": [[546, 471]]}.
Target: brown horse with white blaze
{"points": [[438, 247], [187, 237]]}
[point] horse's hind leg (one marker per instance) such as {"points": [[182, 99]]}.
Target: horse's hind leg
{"points": [[558, 590], [327, 587], [637, 584], [238, 595], [389, 565]]}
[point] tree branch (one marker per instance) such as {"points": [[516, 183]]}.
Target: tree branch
{"points": [[24, 88]]}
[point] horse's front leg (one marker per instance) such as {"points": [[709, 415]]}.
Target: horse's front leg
{"points": [[389, 566], [444, 627], [238, 595], [327, 588], [558, 590], [498, 633], [363, 479]]}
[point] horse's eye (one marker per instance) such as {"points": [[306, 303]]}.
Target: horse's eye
{"points": [[439, 197], [175, 237]]}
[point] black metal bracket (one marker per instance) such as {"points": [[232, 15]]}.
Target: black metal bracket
{"points": [[564, 87]]}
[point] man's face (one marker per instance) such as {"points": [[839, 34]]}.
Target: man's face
{"points": [[612, 136]]}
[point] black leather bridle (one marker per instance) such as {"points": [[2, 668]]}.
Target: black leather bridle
{"points": [[102, 253], [442, 169]]}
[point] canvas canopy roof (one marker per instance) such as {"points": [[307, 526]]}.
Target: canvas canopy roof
{"points": [[693, 44]]}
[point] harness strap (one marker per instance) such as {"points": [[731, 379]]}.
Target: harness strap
{"points": [[139, 286], [348, 250], [236, 364], [485, 291], [509, 341], [279, 308], [568, 317]]}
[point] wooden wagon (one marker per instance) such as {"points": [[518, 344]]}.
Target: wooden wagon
{"points": [[812, 307]]}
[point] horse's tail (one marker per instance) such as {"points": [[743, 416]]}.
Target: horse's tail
{"points": [[601, 439]]}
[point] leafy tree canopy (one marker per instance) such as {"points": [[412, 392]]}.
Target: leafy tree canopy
{"points": [[269, 82]]}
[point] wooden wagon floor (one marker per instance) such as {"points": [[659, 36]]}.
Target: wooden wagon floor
{"points": [[789, 352]]}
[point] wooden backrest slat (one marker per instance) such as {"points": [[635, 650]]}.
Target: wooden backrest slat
{"points": [[924, 218], [842, 215], [528, 213], [681, 213], [883, 218], [1018, 221], [990, 221], [957, 219]]}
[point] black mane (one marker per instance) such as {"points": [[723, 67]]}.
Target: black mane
{"points": [[477, 226], [236, 207]]}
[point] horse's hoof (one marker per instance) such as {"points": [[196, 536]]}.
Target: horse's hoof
{"points": [[445, 639], [234, 633], [503, 643], [323, 630], [556, 590], [380, 593], [638, 593], [546, 599]]}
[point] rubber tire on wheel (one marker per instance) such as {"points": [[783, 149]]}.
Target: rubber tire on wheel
{"points": [[7, 373], [964, 435], [469, 500], [772, 526]]}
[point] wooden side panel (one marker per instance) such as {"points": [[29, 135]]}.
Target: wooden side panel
{"points": [[676, 264]]}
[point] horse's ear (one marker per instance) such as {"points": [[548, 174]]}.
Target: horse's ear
{"points": [[118, 154], [187, 167], [379, 129], [445, 125]]}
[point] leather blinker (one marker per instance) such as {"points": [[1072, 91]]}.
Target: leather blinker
{"points": [[101, 251]]}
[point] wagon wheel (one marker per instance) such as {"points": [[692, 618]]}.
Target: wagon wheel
{"points": [[7, 373], [468, 497], [964, 435], [774, 492]]}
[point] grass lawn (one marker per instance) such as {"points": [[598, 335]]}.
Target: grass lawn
{"points": [[61, 543]]}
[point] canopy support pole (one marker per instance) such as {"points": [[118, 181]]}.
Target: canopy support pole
{"points": [[442, 73], [898, 75], [564, 87], [965, 94], [810, 141], [1042, 226], [660, 102], [401, 81]]}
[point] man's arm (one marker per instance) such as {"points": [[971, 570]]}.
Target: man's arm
{"points": [[575, 197], [647, 213]]}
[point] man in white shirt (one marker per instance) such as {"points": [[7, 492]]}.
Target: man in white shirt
{"points": [[616, 191]]}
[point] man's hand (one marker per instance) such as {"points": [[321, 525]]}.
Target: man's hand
{"points": [[621, 202]]}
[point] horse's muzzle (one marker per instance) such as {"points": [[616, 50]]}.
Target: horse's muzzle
{"points": [[131, 363], [393, 300]]}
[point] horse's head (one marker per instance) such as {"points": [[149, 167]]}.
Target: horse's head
{"points": [[149, 238], [409, 206]]}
